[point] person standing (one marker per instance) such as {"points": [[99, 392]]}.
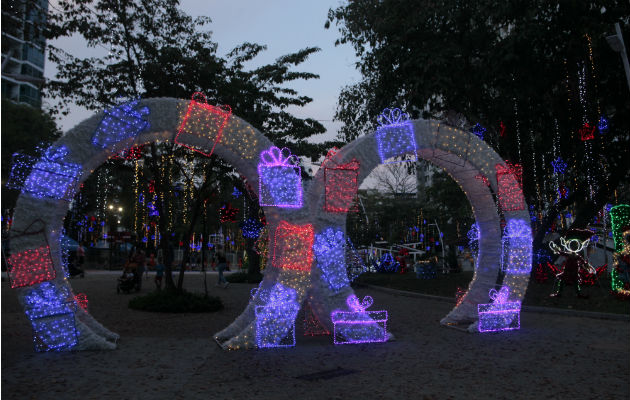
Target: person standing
{"points": [[159, 273], [221, 266]]}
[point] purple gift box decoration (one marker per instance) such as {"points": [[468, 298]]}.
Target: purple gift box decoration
{"points": [[329, 250], [395, 136], [47, 177], [120, 123], [279, 179], [358, 325], [500, 315], [275, 321]]}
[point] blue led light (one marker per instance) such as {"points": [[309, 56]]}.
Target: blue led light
{"points": [[120, 123], [479, 131], [275, 321], [559, 166], [395, 136], [329, 250]]}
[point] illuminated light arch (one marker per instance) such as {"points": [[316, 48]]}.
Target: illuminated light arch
{"points": [[461, 154]]}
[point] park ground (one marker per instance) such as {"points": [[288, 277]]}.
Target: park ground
{"points": [[561, 355]]}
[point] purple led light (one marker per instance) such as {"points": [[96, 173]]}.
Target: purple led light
{"points": [[500, 315], [279, 179], [358, 325], [395, 136]]}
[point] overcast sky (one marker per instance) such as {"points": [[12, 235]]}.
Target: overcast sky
{"points": [[284, 26]]}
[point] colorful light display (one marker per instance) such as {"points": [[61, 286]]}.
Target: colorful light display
{"points": [[559, 166], [82, 300], [49, 177], [275, 321], [51, 316], [280, 179], [587, 132], [509, 189], [619, 219], [202, 120], [251, 228], [120, 123], [329, 249], [293, 246], [500, 315], [518, 234], [31, 266], [341, 184], [602, 125], [358, 325], [395, 136], [479, 130], [312, 324], [227, 213]]}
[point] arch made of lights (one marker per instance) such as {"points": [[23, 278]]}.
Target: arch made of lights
{"points": [[37, 223]]}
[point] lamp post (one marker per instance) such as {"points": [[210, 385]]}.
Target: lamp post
{"points": [[616, 43]]}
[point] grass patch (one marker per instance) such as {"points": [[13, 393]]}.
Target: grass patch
{"points": [[243, 277], [172, 301], [600, 298]]}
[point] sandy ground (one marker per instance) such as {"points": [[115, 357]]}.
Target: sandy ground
{"points": [[171, 356]]}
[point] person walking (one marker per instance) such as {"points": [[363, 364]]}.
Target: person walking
{"points": [[221, 266]]}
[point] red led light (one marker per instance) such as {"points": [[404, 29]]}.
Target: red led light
{"points": [[203, 120], [341, 182], [293, 247], [30, 267], [81, 300], [509, 188], [587, 132]]}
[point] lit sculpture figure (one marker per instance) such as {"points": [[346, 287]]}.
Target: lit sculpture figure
{"points": [[573, 243]]}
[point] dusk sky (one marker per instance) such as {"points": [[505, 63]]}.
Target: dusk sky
{"points": [[283, 26]]}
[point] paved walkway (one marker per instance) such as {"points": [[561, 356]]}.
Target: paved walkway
{"points": [[173, 356]]}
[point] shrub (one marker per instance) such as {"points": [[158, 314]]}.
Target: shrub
{"points": [[173, 301]]}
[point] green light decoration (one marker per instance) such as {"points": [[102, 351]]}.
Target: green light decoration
{"points": [[619, 218], [620, 273]]}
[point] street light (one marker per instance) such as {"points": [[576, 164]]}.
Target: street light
{"points": [[120, 209], [111, 207]]}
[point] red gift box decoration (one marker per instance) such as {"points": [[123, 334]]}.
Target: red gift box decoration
{"points": [[31, 266], [203, 120], [293, 246], [509, 187], [341, 182]]}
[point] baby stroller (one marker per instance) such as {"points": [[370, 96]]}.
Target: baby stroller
{"points": [[126, 283]]}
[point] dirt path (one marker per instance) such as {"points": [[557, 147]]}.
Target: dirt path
{"points": [[170, 356]]}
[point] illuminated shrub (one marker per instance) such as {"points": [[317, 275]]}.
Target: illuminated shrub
{"points": [[202, 121], [279, 179]]}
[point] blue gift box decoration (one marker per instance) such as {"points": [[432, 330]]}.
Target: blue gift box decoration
{"points": [[329, 249], [275, 321], [358, 325], [280, 180], [49, 177], [500, 315], [395, 136], [50, 311], [120, 123]]}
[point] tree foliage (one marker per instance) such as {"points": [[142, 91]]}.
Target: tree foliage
{"points": [[155, 50], [539, 69]]}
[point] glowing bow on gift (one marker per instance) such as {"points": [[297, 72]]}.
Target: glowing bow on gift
{"points": [[275, 156], [55, 153], [518, 228], [353, 303], [392, 116], [501, 296], [332, 161]]}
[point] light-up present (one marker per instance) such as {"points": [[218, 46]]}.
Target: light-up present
{"points": [[329, 249], [341, 184], [204, 121], [50, 176], [119, 124], [52, 318], [509, 188], [358, 325], [395, 136], [279, 179], [82, 300], [293, 246], [518, 252], [31, 266], [275, 321], [500, 315]]}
